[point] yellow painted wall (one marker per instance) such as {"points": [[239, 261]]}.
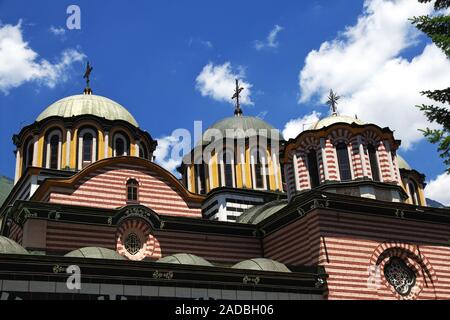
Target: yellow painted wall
{"points": [[248, 174], [271, 172], [40, 153]]}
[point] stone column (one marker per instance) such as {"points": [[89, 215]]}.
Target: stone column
{"points": [[68, 146], [17, 173], [105, 151], [35, 151]]}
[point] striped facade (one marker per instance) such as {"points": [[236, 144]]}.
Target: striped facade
{"points": [[354, 249], [223, 249], [324, 143], [65, 237], [106, 188]]}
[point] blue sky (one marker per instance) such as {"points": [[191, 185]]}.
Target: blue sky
{"points": [[148, 55]]}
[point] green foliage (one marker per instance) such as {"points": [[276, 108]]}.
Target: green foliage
{"points": [[439, 4], [437, 27]]}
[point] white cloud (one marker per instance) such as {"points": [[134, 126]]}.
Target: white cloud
{"points": [[218, 82], [271, 40], [295, 126], [364, 65], [204, 43], [57, 31], [438, 189], [163, 154], [19, 63]]}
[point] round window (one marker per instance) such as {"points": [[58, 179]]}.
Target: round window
{"points": [[400, 276], [132, 243]]}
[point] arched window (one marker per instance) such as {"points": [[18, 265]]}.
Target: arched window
{"points": [[54, 146], [343, 161], [121, 145], [52, 150], [413, 192], [373, 162], [227, 168], [200, 179], [258, 168], [27, 160], [132, 191], [313, 169], [87, 147], [142, 151]]}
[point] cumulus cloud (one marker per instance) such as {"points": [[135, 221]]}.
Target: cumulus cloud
{"points": [[163, 154], [437, 189], [19, 63], [218, 82], [295, 126], [364, 64], [57, 31], [271, 40]]}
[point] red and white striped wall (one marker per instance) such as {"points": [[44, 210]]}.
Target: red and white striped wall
{"points": [[106, 188], [354, 248]]}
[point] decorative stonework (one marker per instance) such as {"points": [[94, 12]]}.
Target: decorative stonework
{"points": [[135, 241], [405, 270], [400, 276]]}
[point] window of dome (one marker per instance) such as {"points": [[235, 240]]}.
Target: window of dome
{"points": [[227, 169], [142, 151], [87, 147], [343, 161], [132, 243], [413, 192], [27, 159], [400, 276], [121, 145], [52, 154], [313, 168], [259, 169], [200, 179], [373, 162]]}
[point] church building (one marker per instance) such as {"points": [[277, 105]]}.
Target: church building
{"points": [[335, 213]]}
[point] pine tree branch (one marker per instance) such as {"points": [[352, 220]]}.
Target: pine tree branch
{"points": [[439, 4], [442, 96]]}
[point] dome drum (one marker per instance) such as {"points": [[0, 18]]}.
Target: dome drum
{"points": [[77, 131], [241, 152]]}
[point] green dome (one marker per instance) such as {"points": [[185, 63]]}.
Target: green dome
{"points": [[402, 164], [96, 253], [261, 264], [6, 186], [328, 121], [185, 258], [88, 104], [258, 213], [243, 123], [8, 246]]}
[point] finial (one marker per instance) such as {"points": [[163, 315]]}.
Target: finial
{"points": [[86, 76], [237, 92], [333, 101]]}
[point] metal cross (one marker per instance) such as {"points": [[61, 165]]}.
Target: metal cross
{"points": [[86, 76], [333, 101], [87, 73], [237, 92]]}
